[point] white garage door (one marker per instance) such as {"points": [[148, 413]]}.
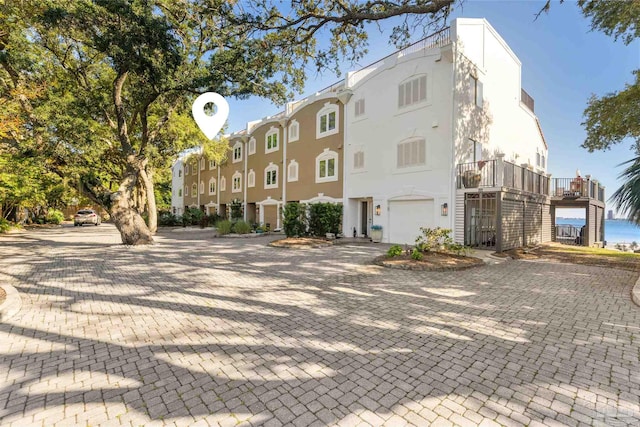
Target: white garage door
{"points": [[406, 217]]}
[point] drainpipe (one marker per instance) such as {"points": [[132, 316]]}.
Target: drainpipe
{"points": [[245, 147], [344, 96], [198, 166], [452, 174], [218, 191], [283, 123]]}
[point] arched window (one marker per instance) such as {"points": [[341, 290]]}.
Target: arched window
{"points": [[252, 146], [327, 166], [271, 176], [212, 186], [236, 182], [327, 120], [194, 190], [412, 91], [251, 178], [271, 140], [411, 153], [186, 190], [201, 187], [294, 131], [237, 152], [223, 184]]}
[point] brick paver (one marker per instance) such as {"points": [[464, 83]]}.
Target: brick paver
{"points": [[203, 331]]}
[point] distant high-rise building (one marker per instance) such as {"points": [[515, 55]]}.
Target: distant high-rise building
{"points": [[610, 214]]}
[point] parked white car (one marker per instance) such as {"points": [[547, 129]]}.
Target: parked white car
{"points": [[86, 216]]}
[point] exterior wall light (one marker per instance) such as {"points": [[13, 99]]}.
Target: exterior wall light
{"points": [[444, 209], [378, 210]]}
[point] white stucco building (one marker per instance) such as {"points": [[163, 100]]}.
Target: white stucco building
{"points": [[416, 116], [177, 186]]}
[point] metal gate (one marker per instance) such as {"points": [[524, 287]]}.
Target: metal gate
{"points": [[480, 219]]}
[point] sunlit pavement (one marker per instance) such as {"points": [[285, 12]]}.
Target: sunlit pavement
{"points": [[205, 331]]}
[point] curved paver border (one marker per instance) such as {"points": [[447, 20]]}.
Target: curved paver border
{"points": [[635, 292], [417, 267], [11, 305]]}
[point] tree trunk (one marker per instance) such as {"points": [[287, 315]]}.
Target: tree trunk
{"points": [[147, 181], [126, 217]]}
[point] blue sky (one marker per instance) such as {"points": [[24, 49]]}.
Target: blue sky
{"points": [[563, 63]]}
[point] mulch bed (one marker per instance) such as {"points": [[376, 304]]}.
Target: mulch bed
{"points": [[300, 243], [559, 254], [433, 261], [3, 295]]}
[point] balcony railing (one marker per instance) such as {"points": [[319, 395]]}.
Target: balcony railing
{"points": [[499, 173], [577, 187]]}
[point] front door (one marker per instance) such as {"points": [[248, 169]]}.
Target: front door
{"points": [[364, 218]]}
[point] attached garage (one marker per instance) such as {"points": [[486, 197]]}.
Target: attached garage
{"points": [[406, 217]]}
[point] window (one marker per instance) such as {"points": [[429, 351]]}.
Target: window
{"points": [[252, 146], [271, 176], [251, 178], [223, 184], [544, 161], [327, 120], [358, 160], [212, 186], [194, 168], [411, 153], [201, 187], [202, 163], [194, 190], [186, 190], [294, 131], [412, 91], [179, 173], [292, 171], [236, 184], [186, 169], [271, 140], [212, 164], [538, 160], [359, 107], [477, 91], [237, 152], [179, 192], [327, 166]]}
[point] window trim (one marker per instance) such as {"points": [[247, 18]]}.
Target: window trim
{"points": [[270, 168], [186, 169], [213, 181], [478, 91], [325, 111], [212, 162], [186, 190], [327, 155], [223, 184], [273, 131], [194, 189], [201, 187], [296, 165], [251, 149], [355, 155], [294, 124], [356, 113], [251, 179], [179, 192], [237, 146], [202, 164], [236, 176]]}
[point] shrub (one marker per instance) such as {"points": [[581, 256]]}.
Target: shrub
{"points": [[433, 238], [168, 219], [4, 225], [54, 216], [416, 254], [324, 218], [242, 227], [295, 219], [395, 250], [236, 209], [192, 216], [457, 248], [224, 227]]}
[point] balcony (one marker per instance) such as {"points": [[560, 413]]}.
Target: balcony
{"points": [[498, 173], [576, 188]]}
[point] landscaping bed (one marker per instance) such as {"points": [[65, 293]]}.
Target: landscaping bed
{"points": [[301, 243], [432, 261], [578, 255]]}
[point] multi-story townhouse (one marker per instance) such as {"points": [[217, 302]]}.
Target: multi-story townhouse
{"points": [[177, 186], [438, 134]]}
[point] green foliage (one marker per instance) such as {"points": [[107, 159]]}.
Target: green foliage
{"points": [[236, 209], [433, 238], [457, 249], [324, 218], [192, 216], [5, 225], [395, 250], [242, 227], [168, 219], [295, 219], [416, 254], [54, 216], [224, 227]]}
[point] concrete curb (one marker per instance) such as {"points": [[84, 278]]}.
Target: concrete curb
{"points": [[635, 293], [12, 305]]}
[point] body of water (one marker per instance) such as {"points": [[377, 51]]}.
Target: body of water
{"points": [[615, 231]]}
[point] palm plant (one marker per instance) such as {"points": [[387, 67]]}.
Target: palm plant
{"points": [[627, 197]]}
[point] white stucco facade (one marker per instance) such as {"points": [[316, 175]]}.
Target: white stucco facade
{"points": [[415, 115], [177, 186]]}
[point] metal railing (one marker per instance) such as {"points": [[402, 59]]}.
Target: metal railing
{"points": [[498, 173], [569, 234], [577, 187]]}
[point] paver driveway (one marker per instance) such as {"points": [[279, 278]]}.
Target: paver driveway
{"points": [[202, 331]]}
